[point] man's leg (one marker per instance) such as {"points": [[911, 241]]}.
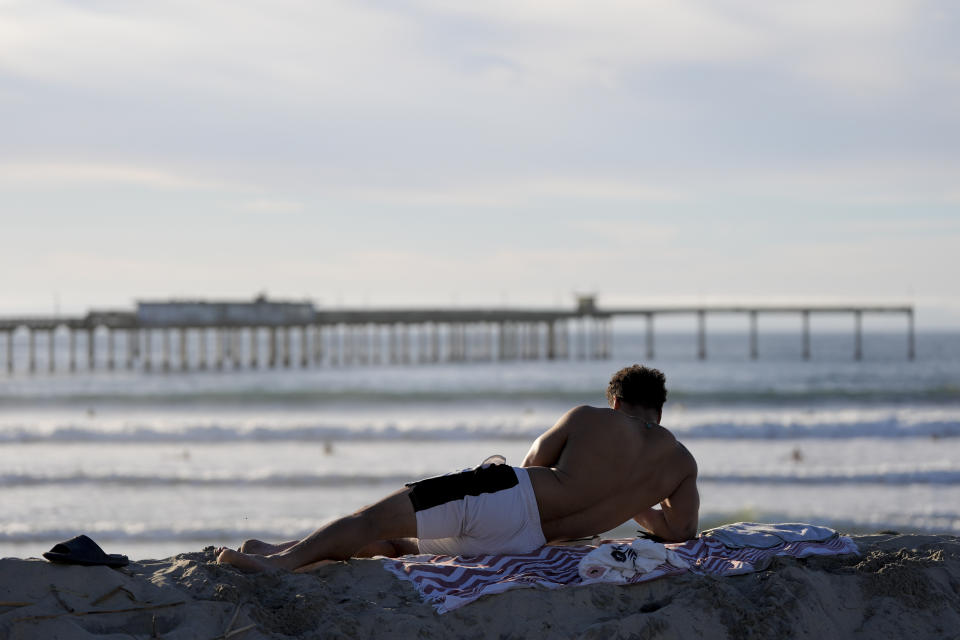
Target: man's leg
{"points": [[392, 517], [393, 548], [389, 548]]}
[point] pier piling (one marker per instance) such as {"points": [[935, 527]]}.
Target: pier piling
{"points": [[147, 349], [229, 359], [650, 351], [858, 335], [184, 361], [216, 359], [165, 347], [318, 344], [272, 347], [111, 362], [304, 352], [552, 340], [911, 351], [32, 341], [336, 351], [423, 352], [131, 342], [701, 334], [392, 343], [202, 364], [346, 344]]}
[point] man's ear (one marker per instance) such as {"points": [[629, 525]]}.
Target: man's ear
{"points": [[660, 415], [616, 404]]}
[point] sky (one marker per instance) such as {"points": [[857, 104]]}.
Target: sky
{"points": [[420, 152]]}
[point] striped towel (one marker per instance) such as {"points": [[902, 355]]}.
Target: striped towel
{"points": [[449, 582]]}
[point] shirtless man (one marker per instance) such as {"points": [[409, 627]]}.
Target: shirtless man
{"points": [[592, 471]]}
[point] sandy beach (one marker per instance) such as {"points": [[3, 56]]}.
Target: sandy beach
{"points": [[899, 586]]}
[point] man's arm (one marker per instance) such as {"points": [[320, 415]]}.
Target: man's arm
{"points": [[678, 516], [545, 450]]}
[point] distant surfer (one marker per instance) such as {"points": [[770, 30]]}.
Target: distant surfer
{"points": [[592, 471]]}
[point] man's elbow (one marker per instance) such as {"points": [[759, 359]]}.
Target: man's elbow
{"points": [[675, 537], [530, 460], [683, 532], [687, 534]]}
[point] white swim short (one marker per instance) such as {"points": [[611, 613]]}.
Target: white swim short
{"points": [[488, 510]]}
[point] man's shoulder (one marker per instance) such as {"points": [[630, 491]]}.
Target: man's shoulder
{"points": [[585, 415], [687, 458], [589, 410]]}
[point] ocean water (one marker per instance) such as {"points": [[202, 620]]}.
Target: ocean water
{"points": [[151, 464]]}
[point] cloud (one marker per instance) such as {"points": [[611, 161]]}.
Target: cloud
{"points": [[268, 205], [850, 47], [362, 55], [569, 43], [839, 181], [512, 192], [80, 173], [292, 51]]}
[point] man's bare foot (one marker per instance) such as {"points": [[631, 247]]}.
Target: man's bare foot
{"points": [[248, 561], [262, 548]]}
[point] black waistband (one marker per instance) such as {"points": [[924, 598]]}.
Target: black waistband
{"points": [[455, 486]]}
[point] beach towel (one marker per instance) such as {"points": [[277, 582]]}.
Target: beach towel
{"points": [[449, 582], [764, 536]]}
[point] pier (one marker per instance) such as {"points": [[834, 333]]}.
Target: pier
{"points": [[199, 335]]}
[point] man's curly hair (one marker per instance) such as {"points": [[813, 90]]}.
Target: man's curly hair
{"points": [[639, 386]]}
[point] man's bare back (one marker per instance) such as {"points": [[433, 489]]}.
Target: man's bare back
{"points": [[597, 468]]}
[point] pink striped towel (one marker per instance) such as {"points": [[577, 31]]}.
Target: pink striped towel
{"points": [[449, 582]]}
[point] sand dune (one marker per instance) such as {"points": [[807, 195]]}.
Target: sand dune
{"points": [[901, 586]]}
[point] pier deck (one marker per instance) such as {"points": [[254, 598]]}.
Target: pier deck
{"points": [[365, 336]]}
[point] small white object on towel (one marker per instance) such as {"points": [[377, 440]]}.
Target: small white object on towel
{"points": [[619, 562]]}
